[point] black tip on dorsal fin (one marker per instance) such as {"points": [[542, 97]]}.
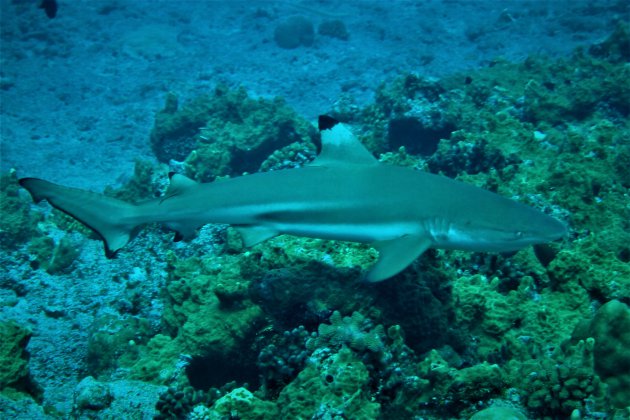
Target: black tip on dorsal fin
{"points": [[326, 122]]}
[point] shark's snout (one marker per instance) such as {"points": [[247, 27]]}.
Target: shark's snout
{"points": [[555, 229]]}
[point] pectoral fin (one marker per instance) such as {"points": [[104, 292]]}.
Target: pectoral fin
{"points": [[395, 255]]}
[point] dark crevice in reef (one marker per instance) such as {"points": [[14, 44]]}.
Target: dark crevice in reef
{"points": [[213, 372]]}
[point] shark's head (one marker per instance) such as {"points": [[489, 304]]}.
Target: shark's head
{"points": [[503, 228]]}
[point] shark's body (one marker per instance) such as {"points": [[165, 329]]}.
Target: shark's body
{"points": [[345, 194]]}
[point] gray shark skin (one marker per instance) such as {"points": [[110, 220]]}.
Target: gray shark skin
{"points": [[344, 194]]}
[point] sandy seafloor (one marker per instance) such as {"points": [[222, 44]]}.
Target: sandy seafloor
{"points": [[79, 93], [83, 93]]}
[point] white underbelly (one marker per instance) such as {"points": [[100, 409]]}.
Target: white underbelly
{"points": [[366, 233]]}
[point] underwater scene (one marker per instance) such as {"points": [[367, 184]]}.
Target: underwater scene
{"points": [[324, 209]]}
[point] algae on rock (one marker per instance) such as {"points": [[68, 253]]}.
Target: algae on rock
{"points": [[330, 385]]}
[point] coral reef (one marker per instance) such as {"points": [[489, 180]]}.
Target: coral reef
{"points": [[158, 361], [197, 314], [332, 384], [609, 341], [174, 129], [355, 331], [243, 404], [594, 267], [294, 155], [281, 361], [456, 331], [15, 378], [243, 140], [294, 32], [286, 329], [17, 222], [91, 395], [419, 307], [557, 385], [114, 342], [53, 257], [334, 28], [227, 133], [147, 182], [179, 402]]}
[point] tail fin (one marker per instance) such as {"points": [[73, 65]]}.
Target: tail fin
{"points": [[110, 218]]}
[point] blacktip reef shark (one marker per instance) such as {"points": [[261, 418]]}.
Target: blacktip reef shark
{"points": [[344, 194]]}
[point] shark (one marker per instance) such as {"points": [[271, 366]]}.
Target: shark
{"points": [[344, 194]]}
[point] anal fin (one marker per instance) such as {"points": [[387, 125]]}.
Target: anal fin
{"points": [[253, 235], [395, 255]]}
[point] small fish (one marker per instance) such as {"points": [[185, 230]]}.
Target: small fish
{"points": [[50, 7]]}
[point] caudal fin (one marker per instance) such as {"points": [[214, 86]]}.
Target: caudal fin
{"points": [[110, 218]]}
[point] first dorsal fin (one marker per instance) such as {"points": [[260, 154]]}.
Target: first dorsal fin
{"points": [[179, 184], [340, 146]]}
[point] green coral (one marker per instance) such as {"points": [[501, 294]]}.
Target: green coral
{"points": [[294, 155], [610, 342], [144, 185], [54, 257], [331, 385], [504, 320], [65, 252], [616, 48], [589, 264], [356, 331], [449, 388], [287, 250], [183, 400], [291, 272], [208, 315], [476, 383], [210, 330], [242, 403], [41, 250], [549, 386], [14, 372], [241, 142], [207, 309], [402, 158], [115, 342], [558, 384], [157, 362], [226, 133], [17, 223], [174, 129]]}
